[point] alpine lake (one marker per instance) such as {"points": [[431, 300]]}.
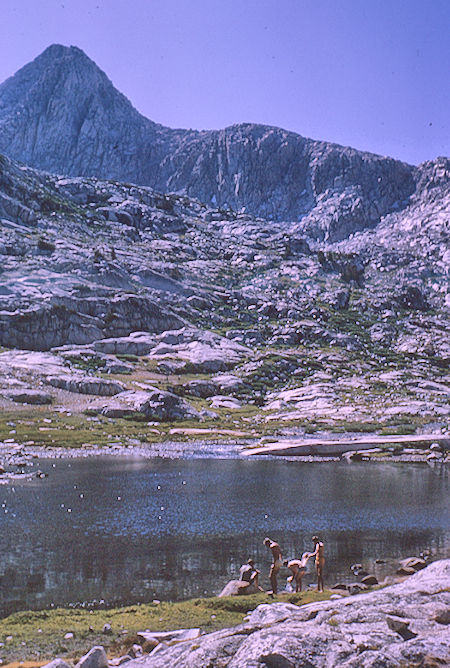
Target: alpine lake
{"points": [[104, 531]]}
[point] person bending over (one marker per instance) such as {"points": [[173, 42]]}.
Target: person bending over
{"points": [[298, 570]]}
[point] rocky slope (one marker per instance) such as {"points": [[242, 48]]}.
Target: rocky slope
{"points": [[403, 625], [61, 113], [235, 318]]}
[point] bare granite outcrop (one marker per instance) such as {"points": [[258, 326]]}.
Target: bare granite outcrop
{"points": [[406, 624], [282, 327]]}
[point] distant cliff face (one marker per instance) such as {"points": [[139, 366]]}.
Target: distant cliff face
{"points": [[61, 113]]}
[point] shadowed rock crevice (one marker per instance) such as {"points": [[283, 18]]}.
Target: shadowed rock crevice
{"points": [[80, 321]]}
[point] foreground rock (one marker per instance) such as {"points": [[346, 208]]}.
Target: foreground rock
{"points": [[168, 636], [238, 588], [398, 626], [57, 663], [96, 658]]}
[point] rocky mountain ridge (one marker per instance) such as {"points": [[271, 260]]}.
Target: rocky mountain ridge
{"points": [[229, 314], [61, 113]]}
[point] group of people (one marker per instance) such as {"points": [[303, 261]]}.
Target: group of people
{"points": [[249, 573]]}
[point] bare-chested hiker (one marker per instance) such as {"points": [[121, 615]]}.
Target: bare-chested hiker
{"points": [[319, 554], [298, 570], [248, 573], [276, 563]]}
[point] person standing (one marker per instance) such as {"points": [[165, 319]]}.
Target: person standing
{"points": [[319, 554], [277, 563]]}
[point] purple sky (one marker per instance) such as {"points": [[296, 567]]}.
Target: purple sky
{"points": [[373, 74]]}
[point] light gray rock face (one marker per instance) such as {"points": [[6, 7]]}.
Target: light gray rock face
{"points": [[86, 385], [367, 630], [96, 658], [200, 351], [38, 364], [137, 343], [223, 401], [227, 383], [155, 404], [61, 113], [179, 635], [308, 329], [57, 663]]}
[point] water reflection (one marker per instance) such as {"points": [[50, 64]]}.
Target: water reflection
{"points": [[127, 531]]}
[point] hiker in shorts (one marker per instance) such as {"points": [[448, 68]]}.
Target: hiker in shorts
{"points": [[277, 563]]}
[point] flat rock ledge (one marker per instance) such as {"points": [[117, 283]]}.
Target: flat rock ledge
{"points": [[29, 396], [405, 624]]}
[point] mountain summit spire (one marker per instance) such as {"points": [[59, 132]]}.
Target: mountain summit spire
{"points": [[59, 51], [61, 113]]}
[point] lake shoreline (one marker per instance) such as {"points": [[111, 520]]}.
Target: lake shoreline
{"points": [[16, 456], [114, 501], [39, 635]]}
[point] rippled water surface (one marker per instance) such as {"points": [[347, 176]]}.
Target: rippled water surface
{"points": [[129, 530]]}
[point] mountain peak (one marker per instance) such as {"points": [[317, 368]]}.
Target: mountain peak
{"points": [[59, 103], [61, 113], [57, 56], [53, 65], [59, 50]]}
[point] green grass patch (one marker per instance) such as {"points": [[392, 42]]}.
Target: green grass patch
{"points": [[73, 431], [40, 635], [399, 430], [360, 427], [40, 426], [333, 621], [128, 358], [88, 364]]}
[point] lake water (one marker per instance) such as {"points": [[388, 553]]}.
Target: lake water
{"points": [[129, 530]]}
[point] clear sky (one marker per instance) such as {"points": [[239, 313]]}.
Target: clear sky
{"points": [[372, 74]]}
